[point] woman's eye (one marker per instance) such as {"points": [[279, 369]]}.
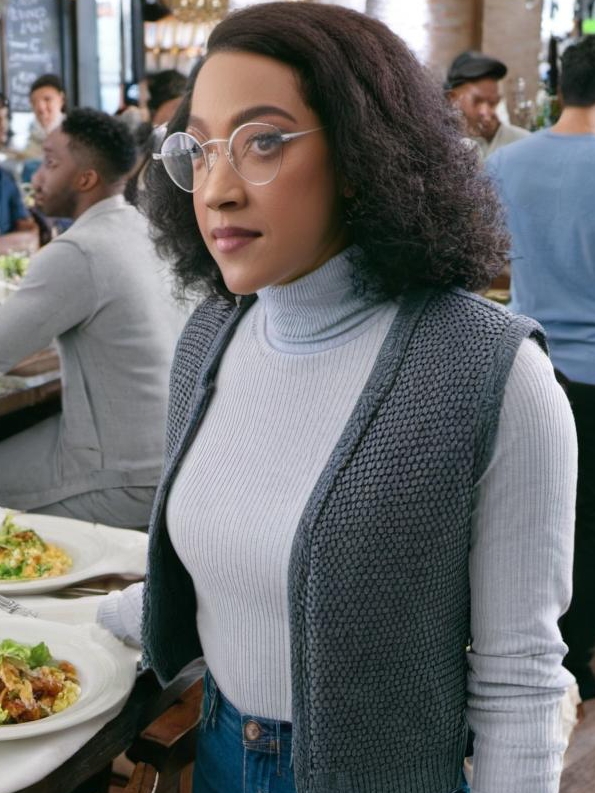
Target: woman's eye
{"points": [[265, 143]]}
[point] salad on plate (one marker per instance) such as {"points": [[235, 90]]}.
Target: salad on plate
{"points": [[24, 555], [33, 684]]}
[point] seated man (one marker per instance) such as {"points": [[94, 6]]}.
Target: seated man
{"points": [[100, 290], [472, 86], [13, 214]]}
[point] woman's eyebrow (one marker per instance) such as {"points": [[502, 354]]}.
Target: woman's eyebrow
{"points": [[247, 115]]}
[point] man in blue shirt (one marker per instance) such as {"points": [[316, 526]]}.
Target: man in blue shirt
{"points": [[547, 183], [13, 214]]}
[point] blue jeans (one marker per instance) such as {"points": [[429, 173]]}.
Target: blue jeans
{"points": [[239, 753]]}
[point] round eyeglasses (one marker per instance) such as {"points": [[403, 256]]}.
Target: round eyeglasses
{"points": [[254, 151]]}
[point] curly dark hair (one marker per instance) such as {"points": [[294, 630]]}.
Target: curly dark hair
{"points": [[577, 83], [423, 210], [101, 140]]}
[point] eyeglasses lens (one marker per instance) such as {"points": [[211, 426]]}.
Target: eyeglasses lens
{"points": [[255, 152], [179, 153]]}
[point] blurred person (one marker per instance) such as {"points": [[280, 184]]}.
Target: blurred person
{"points": [[5, 131], [472, 85], [101, 291], [547, 183], [166, 89], [342, 527], [13, 213], [14, 216], [48, 102], [8, 156]]}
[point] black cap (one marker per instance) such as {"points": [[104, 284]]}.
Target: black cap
{"points": [[472, 65]]}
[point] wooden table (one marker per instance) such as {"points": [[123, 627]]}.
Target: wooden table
{"points": [[27, 241], [155, 726], [40, 398]]}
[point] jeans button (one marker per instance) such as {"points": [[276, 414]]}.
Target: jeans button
{"points": [[251, 730]]}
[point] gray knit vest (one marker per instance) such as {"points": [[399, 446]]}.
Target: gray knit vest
{"points": [[378, 577]]}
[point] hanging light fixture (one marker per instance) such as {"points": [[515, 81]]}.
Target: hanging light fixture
{"points": [[198, 11]]}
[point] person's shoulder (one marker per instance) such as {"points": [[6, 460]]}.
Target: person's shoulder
{"points": [[470, 309], [513, 133], [517, 150], [462, 307]]}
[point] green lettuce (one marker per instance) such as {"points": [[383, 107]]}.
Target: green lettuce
{"points": [[33, 656]]}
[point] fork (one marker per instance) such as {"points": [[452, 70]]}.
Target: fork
{"points": [[12, 607]]}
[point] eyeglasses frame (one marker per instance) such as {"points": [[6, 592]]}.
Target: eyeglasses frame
{"points": [[209, 163]]}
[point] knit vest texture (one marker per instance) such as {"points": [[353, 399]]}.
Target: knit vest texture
{"points": [[378, 576]]}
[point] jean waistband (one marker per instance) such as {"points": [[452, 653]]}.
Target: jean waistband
{"points": [[256, 732]]}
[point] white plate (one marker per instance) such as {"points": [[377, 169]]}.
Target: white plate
{"points": [[95, 550], [105, 669]]}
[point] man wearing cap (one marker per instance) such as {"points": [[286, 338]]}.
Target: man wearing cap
{"points": [[472, 85]]}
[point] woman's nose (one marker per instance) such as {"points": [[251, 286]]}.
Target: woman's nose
{"points": [[223, 186]]}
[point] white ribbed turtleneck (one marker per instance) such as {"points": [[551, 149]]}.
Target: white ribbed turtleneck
{"points": [[286, 386]]}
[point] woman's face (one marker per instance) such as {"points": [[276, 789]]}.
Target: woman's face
{"points": [[261, 235]]}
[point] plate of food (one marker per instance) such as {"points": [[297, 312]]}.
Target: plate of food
{"points": [[54, 676], [43, 553]]}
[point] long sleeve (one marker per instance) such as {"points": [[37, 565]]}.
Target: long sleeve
{"points": [[121, 613], [521, 573], [56, 294]]}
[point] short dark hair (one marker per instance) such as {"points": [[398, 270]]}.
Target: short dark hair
{"points": [[103, 140], [47, 81], [423, 210], [163, 86], [577, 82]]}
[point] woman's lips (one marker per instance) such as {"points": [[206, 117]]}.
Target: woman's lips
{"points": [[232, 238]]}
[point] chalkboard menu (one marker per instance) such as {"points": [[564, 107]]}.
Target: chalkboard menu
{"points": [[32, 30]]}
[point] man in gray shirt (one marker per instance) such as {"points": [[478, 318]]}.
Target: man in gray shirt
{"points": [[101, 291]]}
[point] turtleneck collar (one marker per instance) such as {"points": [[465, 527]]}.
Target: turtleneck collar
{"points": [[323, 309]]}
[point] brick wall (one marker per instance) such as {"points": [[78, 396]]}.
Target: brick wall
{"points": [[453, 27], [503, 28], [512, 33]]}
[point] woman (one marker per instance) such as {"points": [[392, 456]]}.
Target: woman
{"points": [[368, 468]]}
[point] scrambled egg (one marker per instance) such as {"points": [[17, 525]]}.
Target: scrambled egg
{"points": [[24, 555]]}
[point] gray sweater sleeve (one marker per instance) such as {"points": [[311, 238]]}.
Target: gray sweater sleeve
{"points": [[521, 572], [56, 294]]}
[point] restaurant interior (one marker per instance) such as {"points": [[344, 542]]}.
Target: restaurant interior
{"points": [[126, 734]]}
